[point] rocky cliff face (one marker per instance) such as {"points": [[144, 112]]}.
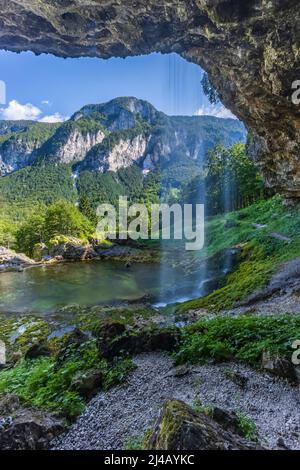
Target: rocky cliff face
{"points": [[249, 48], [15, 154], [123, 154], [73, 147], [19, 141]]}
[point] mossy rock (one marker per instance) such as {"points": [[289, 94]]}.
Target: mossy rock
{"points": [[179, 427], [115, 338], [87, 383], [21, 334]]}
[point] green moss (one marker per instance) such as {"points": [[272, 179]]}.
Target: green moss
{"points": [[90, 319], [137, 442], [20, 334]]}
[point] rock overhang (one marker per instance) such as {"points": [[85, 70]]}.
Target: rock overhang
{"points": [[251, 51]]}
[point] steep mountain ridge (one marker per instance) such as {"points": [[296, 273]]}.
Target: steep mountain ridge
{"points": [[114, 135]]}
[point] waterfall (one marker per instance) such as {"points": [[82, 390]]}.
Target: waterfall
{"points": [[191, 283], [227, 207]]}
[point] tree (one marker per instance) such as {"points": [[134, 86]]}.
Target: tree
{"points": [[232, 179], [30, 233], [63, 218], [87, 210], [7, 233]]}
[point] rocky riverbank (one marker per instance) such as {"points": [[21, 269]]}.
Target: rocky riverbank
{"points": [[73, 249], [12, 261]]}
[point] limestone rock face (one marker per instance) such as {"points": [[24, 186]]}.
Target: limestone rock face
{"points": [[77, 145], [250, 50], [15, 154], [122, 155]]}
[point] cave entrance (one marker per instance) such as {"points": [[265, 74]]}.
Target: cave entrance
{"points": [[76, 133]]}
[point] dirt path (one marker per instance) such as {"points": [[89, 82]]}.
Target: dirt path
{"points": [[130, 409]]}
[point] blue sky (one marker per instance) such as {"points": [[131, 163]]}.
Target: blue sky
{"points": [[51, 89]]}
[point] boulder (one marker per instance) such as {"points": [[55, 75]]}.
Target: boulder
{"points": [[8, 404], [87, 383], [9, 259], [279, 367], [25, 428], [229, 420], [115, 338], [71, 249], [71, 341], [179, 427]]}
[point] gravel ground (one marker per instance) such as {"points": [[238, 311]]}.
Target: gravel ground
{"points": [[131, 408]]}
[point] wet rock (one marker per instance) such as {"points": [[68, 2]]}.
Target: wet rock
{"points": [[279, 367], [9, 259], [25, 428], [179, 427], [110, 330], [115, 338], [88, 383]]}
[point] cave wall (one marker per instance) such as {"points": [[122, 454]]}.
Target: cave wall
{"points": [[250, 48]]}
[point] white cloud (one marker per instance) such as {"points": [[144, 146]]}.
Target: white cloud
{"points": [[46, 102], [56, 117], [16, 110], [214, 110]]}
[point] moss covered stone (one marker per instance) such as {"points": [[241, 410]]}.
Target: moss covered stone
{"points": [[179, 427]]}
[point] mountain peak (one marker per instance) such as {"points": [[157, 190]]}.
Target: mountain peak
{"points": [[119, 113]]}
